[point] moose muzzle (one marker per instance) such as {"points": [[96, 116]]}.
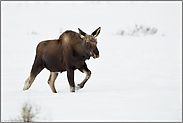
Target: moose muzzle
{"points": [[95, 53]]}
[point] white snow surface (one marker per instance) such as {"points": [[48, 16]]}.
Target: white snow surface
{"points": [[136, 78]]}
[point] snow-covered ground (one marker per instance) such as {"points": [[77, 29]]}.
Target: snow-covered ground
{"points": [[136, 78]]}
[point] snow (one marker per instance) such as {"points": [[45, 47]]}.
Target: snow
{"points": [[136, 78]]}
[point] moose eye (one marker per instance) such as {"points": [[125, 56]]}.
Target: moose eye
{"points": [[88, 44]]}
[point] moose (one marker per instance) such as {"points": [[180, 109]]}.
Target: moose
{"points": [[67, 53]]}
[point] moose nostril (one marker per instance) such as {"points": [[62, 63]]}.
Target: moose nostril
{"points": [[96, 52]]}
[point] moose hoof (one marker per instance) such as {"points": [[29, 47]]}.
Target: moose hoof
{"points": [[26, 87], [77, 87], [72, 89], [53, 90], [48, 82]]}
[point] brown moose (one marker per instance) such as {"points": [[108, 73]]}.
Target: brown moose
{"points": [[67, 53]]}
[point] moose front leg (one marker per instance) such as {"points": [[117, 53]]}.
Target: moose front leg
{"points": [[85, 70], [70, 77]]}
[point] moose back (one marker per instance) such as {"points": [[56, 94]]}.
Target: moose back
{"points": [[67, 53]]}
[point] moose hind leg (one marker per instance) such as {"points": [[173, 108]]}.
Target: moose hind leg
{"points": [[36, 69], [51, 81], [28, 83], [88, 75]]}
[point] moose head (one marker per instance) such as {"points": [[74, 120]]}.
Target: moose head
{"points": [[90, 42]]}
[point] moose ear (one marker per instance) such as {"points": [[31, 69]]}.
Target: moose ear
{"points": [[96, 32], [81, 33]]}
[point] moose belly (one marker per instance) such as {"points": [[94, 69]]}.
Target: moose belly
{"points": [[60, 67], [55, 67], [54, 64]]}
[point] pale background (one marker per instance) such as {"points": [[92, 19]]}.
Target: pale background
{"points": [[136, 78]]}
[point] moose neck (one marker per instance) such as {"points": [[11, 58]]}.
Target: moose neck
{"points": [[81, 51]]}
